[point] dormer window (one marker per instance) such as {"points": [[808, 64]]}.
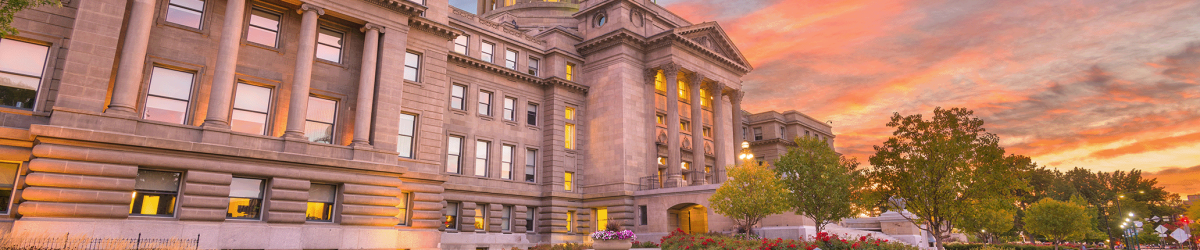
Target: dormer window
{"points": [[601, 19]]}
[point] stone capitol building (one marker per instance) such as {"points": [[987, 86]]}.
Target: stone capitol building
{"points": [[373, 124]]}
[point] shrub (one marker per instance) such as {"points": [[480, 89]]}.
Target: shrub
{"points": [[645, 244], [563, 246], [680, 240], [1009, 246]]}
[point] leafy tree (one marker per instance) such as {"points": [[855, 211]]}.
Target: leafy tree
{"points": [[1056, 220], [822, 185], [941, 167], [1148, 235], [10, 7], [751, 193], [989, 218]]}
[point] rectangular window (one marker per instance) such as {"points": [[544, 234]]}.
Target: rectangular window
{"points": [[529, 219], [510, 109], [569, 114], [481, 157], [486, 50], [645, 220], [601, 218], [485, 103], [570, 221], [531, 111], [569, 130], [458, 97], [570, 71], [568, 181], [530, 165], [169, 96], [451, 220], [319, 122], [245, 198], [533, 66], [685, 93], [460, 44], [510, 59], [264, 28], [320, 202], [412, 66], [481, 217], [453, 154], [506, 155], [685, 126], [708, 132], [329, 45], [506, 219], [405, 203], [660, 82], [21, 67], [661, 119], [251, 105], [705, 100], [8, 180], [408, 129], [186, 12], [758, 134], [154, 192]]}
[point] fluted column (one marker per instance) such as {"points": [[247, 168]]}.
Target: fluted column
{"points": [[719, 141], [697, 170], [674, 175], [221, 95], [133, 59], [366, 86], [735, 98], [298, 106], [652, 129]]}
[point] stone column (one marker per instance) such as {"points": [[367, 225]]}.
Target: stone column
{"points": [[735, 97], [298, 106], [133, 59], [719, 141], [674, 175], [652, 127], [221, 95], [697, 170], [366, 86]]}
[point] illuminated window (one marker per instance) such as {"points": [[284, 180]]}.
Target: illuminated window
{"points": [[454, 154], [186, 12], [486, 51], [662, 161], [481, 217], [154, 192], [481, 157], [684, 91], [569, 130], [601, 218], [509, 2], [405, 203], [531, 165], [245, 198], [568, 181], [661, 118], [458, 97], [685, 165], [250, 106], [451, 220], [570, 114], [460, 44], [685, 126], [263, 28], [660, 82], [570, 221], [705, 99], [320, 202], [506, 219], [570, 71], [8, 179], [412, 66], [329, 45], [510, 109], [169, 96], [506, 155], [407, 136], [319, 123], [22, 66], [707, 132]]}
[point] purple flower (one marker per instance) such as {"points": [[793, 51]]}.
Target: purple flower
{"points": [[610, 235]]}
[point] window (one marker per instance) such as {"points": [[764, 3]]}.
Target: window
{"points": [[404, 143], [506, 219], [782, 133], [506, 155], [481, 157], [405, 203], [568, 181], [457, 97], [660, 82], [8, 180], [412, 66], [485, 103], [264, 28], [329, 45], [186, 12], [601, 19], [569, 130], [320, 202], [510, 109], [533, 66], [486, 50], [707, 132], [531, 165], [661, 119], [758, 133], [169, 96], [21, 72], [510, 59], [645, 220], [531, 111], [744, 133], [806, 134], [601, 218], [245, 198], [250, 106], [509, 2], [154, 192], [451, 221], [481, 217], [570, 221], [460, 44], [453, 154], [685, 93], [529, 219], [685, 126], [570, 71], [318, 124]]}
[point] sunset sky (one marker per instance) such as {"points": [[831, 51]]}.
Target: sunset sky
{"points": [[1103, 84]]}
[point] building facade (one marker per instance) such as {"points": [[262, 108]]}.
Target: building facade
{"points": [[368, 124], [771, 133]]}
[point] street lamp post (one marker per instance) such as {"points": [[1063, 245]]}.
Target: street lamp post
{"points": [[745, 155]]}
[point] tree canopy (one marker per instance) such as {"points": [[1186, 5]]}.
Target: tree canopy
{"points": [[751, 193], [8, 8], [821, 184], [1057, 220]]}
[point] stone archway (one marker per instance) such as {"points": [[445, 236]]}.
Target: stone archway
{"points": [[690, 217]]}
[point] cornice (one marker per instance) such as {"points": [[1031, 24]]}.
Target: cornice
{"points": [[725, 43], [497, 26], [556, 81], [402, 6], [672, 38], [772, 141], [516, 75], [665, 39], [442, 30], [613, 38]]}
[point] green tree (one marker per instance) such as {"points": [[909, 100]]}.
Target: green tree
{"points": [[941, 167], [1056, 220], [751, 193], [10, 7], [989, 218], [821, 184]]}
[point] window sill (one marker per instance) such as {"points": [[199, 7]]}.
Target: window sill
{"points": [[486, 117], [184, 27], [331, 63], [18, 111], [260, 46], [510, 122], [417, 83]]}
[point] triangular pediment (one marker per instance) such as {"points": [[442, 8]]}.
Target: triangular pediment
{"points": [[710, 36]]}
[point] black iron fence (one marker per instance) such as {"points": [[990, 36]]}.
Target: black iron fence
{"points": [[67, 242]]}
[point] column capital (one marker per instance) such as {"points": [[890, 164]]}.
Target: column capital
{"points": [[670, 68], [696, 79], [650, 74], [306, 7], [718, 88], [736, 96], [372, 26]]}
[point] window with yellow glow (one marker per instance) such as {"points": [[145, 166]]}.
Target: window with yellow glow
{"points": [[569, 131], [569, 114], [568, 181], [8, 177], [685, 165], [684, 91], [154, 192], [661, 119], [509, 2], [707, 132], [601, 218], [705, 99], [451, 220], [660, 82], [405, 200], [570, 72], [570, 221], [480, 217], [320, 202], [686, 126], [245, 198]]}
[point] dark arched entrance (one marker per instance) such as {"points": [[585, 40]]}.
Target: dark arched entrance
{"points": [[689, 217]]}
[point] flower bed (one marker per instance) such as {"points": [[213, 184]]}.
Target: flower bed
{"points": [[614, 235], [824, 241], [1017, 246]]}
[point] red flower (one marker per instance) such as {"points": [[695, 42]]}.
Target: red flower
{"points": [[863, 238], [855, 245]]}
